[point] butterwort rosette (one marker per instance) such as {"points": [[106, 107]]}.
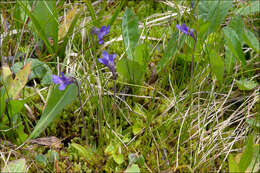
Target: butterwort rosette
{"points": [[188, 31], [63, 81], [109, 61], [101, 33]]}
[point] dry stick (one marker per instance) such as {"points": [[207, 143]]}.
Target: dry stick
{"points": [[178, 142]]}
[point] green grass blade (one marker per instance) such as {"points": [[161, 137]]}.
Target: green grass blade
{"points": [[118, 9], [92, 12]]}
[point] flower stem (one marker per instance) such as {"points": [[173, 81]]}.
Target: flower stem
{"points": [[82, 113]]}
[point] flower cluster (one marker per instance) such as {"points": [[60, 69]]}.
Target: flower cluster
{"points": [[186, 30], [101, 33], [63, 81], [109, 61]]}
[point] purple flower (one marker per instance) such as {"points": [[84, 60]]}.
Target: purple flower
{"points": [[186, 30], [63, 81], [109, 61], [101, 33]]}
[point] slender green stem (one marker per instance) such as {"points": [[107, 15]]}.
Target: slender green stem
{"points": [[82, 113], [114, 103]]}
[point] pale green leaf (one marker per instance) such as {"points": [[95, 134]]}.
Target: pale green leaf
{"points": [[254, 122], [217, 65], [130, 32], [134, 168], [233, 43], [251, 40], [213, 12], [245, 84], [132, 158], [249, 8], [233, 166], [136, 129], [15, 106], [110, 149], [247, 155], [6, 75], [130, 70], [61, 50], [237, 24], [15, 166], [19, 82], [38, 70], [230, 60], [85, 152], [118, 158]]}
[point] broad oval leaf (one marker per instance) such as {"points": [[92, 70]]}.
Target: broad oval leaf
{"points": [[19, 82], [118, 158], [134, 168], [38, 70], [245, 84], [251, 40], [56, 102], [130, 32], [237, 24], [234, 44], [251, 8], [130, 70], [214, 12]]}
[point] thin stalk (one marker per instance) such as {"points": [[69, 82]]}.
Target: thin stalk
{"points": [[82, 113], [192, 76], [114, 100]]}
